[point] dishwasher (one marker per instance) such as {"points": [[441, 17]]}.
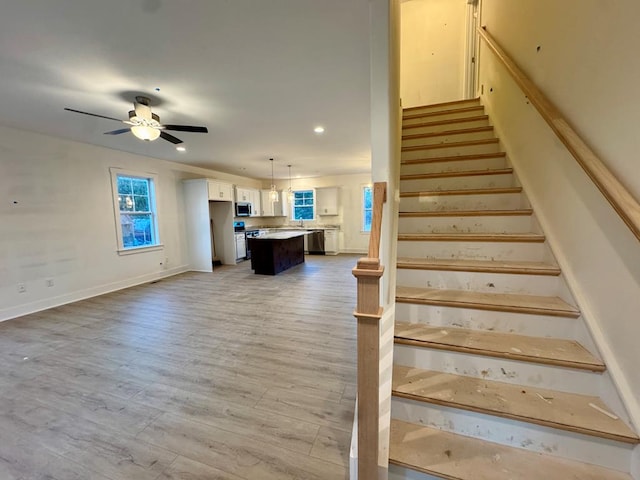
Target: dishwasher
{"points": [[315, 242]]}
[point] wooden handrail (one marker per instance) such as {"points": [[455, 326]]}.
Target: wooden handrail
{"points": [[617, 195], [368, 271]]}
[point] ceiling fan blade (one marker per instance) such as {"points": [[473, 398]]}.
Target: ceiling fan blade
{"points": [[93, 114], [118, 132], [186, 128], [170, 138]]}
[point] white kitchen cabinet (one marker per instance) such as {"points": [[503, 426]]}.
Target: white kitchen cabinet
{"points": [[220, 191], [273, 209], [243, 194], [331, 241], [252, 196], [209, 227], [327, 200], [241, 246]]}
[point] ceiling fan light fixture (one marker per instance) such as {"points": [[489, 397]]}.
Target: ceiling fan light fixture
{"points": [[145, 133]]}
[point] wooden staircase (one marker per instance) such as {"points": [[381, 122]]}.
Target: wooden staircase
{"points": [[495, 375]]}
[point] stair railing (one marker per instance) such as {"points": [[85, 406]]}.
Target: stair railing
{"points": [[617, 195], [368, 272]]}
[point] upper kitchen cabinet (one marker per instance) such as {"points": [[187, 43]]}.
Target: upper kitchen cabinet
{"points": [[273, 209], [249, 195], [220, 191], [328, 200], [242, 194], [256, 202]]}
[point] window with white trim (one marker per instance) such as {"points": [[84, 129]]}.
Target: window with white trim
{"points": [[134, 200], [367, 208], [303, 205]]}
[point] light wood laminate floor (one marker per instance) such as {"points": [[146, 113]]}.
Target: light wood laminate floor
{"points": [[219, 376]]}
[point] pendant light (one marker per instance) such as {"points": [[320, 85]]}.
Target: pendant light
{"points": [[273, 194], [290, 191]]}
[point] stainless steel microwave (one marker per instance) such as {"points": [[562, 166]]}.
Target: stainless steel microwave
{"points": [[243, 209]]}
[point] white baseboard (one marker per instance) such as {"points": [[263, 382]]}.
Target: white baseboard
{"points": [[46, 303]]}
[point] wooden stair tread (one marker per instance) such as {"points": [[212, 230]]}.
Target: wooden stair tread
{"points": [[488, 266], [462, 173], [450, 121], [504, 302], [547, 351], [472, 237], [442, 104], [564, 411], [465, 191], [458, 131], [454, 158], [455, 457], [410, 116], [468, 143], [468, 213]]}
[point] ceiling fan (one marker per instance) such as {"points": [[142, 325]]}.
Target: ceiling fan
{"points": [[146, 125]]}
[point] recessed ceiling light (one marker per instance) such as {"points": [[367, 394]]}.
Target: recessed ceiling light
{"points": [[181, 149], [319, 129]]}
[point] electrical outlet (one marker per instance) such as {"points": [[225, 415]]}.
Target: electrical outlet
{"points": [[22, 288], [49, 282]]}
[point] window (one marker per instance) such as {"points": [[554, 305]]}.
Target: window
{"points": [[135, 210], [303, 207], [367, 208]]}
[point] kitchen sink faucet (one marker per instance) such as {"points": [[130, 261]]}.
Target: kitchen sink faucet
{"points": [[302, 223]]}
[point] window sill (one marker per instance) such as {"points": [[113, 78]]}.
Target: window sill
{"points": [[134, 250]]}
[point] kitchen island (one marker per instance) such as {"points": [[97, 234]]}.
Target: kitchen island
{"points": [[276, 252]]}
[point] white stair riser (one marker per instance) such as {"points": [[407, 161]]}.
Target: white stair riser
{"points": [[455, 166], [473, 102], [475, 224], [479, 282], [434, 127], [400, 473], [514, 433], [498, 369], [473, 201], [458, 182], [442, 116], [448, 138], [450, 151], [533, 252], [505, 322]]}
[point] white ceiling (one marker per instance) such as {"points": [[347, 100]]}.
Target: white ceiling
{"points": [[260, 74]]}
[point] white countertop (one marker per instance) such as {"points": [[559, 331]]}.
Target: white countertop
{"points": [[283, 235], [307, 228]]}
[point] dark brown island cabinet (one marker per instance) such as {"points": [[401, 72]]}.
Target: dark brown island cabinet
{"points": [[276, 252]]}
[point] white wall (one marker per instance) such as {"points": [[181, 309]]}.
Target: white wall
{"points": [[432, 51], [57, 221], [584, 68]]}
